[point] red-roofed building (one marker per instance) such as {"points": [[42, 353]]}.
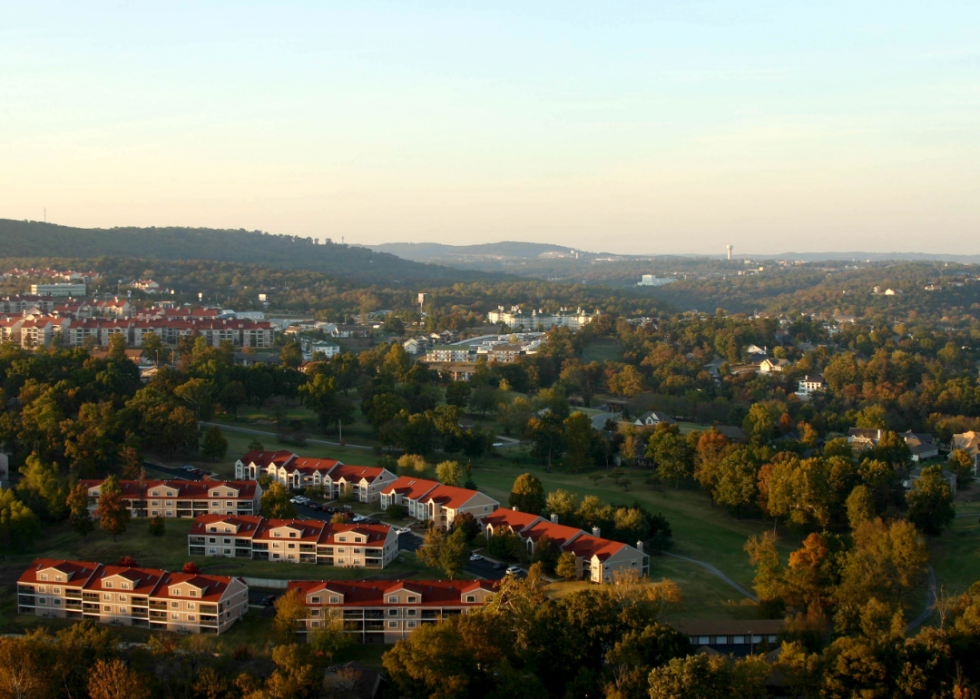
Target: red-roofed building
{"points": [[431, 500], [597, 559], [334, 478], [387, 611], [294, 540], [183, 499], [146, 597]]}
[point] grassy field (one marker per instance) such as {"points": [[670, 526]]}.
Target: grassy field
{"points": [[955, 556], [601, 351]]}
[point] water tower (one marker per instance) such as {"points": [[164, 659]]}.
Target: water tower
{"points": [[729, 252]]}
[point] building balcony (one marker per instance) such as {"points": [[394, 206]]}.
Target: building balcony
{"points": [[25, 601], [73, 594], [139, 613], [209, 609], [138, 601], [158, 605], [90, 597], [158, 616], [207, 620], [197, 551]]}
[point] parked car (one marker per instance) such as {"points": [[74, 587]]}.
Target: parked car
{"points": [[476, 557], [499, 566], [402, 530], [295, 501], [268, 600], [187, 467], [370, 520], [515, 570]]}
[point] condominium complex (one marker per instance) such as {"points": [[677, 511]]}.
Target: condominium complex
{"points": [[182, 499], [293, 540], [153, 599], [332, 477], [432, 501], [519, 318], [388, 611], [597, 559]]}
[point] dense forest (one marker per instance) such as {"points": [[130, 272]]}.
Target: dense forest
{"points": [[33, 238]]}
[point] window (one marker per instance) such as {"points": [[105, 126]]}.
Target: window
{"points": [[276, 533], [343, 538], [122, 610], [470, 598], [56, 602], [411, 624], [106, 595], [190, 605], [392, 600], [108, 584], [107, 608], [55, 590], [41, 600], [392, 624], [59, 578], [175, 616], [392, 612], [334, 600], [192, 593], [314, 600], [175, 605], [43, 576], [190, 617], [292, 535], [412, 598], [411, 612], [122, 598]]}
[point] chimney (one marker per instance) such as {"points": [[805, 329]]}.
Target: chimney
{"points": [[554, 518], [639, 546], [595, 532]]}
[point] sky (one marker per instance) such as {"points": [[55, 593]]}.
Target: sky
{"points": [[664, 126]]}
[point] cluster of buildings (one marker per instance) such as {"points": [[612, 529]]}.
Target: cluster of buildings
{"points": [[421, 344], [130, 596], [520, 319], [68, 275], [332, 478], [293, 541], [34, 321], [503, 349]]}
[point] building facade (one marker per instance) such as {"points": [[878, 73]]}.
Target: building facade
{"points": [[150, 598], [293, 541], [432, 501], [184, 499], [333, 478], [387, 611]]}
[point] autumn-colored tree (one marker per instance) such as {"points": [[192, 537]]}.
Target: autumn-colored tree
{"points": [[111, 509], [111, 679], [80, 517], [931, 502], [567, 567], [191, 567], [276, 502], [290, 611], [527, 494]]}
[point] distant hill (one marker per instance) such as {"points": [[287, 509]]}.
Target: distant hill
{"points": [[36, 239], [432, 252]]}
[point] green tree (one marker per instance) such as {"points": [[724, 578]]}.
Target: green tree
{"points": [[291, 354], [290, 611], [322, 396], [669, 450], [19, 526], [527, 494], [962, 464], [546, 552], [627, 382], [413, 464], [451, 473], [44, 487], [860, 506], [458, 394], [276, 504], [80, 517], [759, 423], [215, 445], [564, 504], [580, 443], [567, 566], [930, 502], [157, 526], [111, 509], [448, 553]]}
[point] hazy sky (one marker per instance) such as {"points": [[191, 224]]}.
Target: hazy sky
{"points": [[656, 126]]}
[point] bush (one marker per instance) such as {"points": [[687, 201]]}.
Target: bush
{"points": [[157, 526], [397, 511]]}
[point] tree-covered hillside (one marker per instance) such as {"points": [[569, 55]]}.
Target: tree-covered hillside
{"points": [[35, 239]]}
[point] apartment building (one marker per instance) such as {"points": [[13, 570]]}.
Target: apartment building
{"points": [[388, 611], [184, 499], [294, 541], [448, 353], [153, 599], [432, 501], [59, 289], [332, 477], [519, 318], [597, 559]]}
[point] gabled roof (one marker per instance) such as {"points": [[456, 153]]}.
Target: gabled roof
{"points": [[587, 546], [411, 488], [559, 533], [264, 458], [449, 496], [504, 517], [362, 593]]}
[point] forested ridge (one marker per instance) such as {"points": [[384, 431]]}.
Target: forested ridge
{"points": [[33, 238]]}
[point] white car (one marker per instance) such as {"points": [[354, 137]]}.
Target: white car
{"points": [[476, 557], [402, 530], [514, 570], [295, 501]]}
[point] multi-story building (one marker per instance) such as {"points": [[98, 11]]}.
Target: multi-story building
{"points": [[153, 599], [387, 611], [448, 353], [518, 318], [293, 541], [332, 477], [184, 499], [597, 559], [432, 501], [59, 289]]}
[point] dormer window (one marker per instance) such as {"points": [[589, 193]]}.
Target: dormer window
{"points": [[292, 535], [342, 538], [43, 576], [470, 598], [193, 593], [392, 600], [123, 586], [277, 534], [108, 585], [212, 529], [334, 600], [412, 598], [314, 600], [59, 578]]}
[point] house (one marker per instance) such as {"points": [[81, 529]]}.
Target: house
{"points": [[432, 501], [734, 434], [970, 443], [293, 541], [386, 611], [922, 446], [183, 499], [325, 347], [597, 559], [862, 438], [652, 418], [770, 366], [125, 596], [739, 637], [330, 476], [810, 384]]}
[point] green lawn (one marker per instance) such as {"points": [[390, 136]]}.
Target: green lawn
{"points": [[601, 351], [700, 531], [955, 555]]}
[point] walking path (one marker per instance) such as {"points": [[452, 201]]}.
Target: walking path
{"points": [[930, 603], [717, 573]]}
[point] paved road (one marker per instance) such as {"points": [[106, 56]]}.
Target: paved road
{"points": [[273, 435], [930, 607], [717, 573], [485, 569], [177, 473]]}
